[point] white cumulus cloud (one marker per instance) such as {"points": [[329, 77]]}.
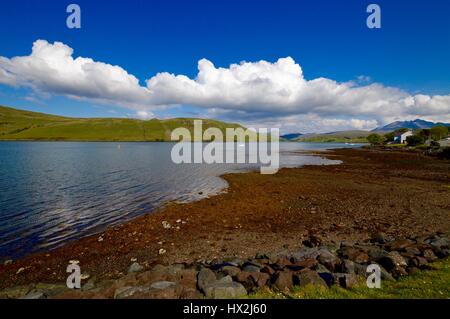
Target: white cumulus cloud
{"points": [[51, 68], [258, 92]]}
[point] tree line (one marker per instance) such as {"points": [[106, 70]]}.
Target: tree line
{"points": [[419, 137]]}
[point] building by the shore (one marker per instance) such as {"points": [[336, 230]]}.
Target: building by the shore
{"points": [[400, 138]]}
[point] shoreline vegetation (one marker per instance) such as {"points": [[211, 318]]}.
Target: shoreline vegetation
{"points": [[399, 195]]}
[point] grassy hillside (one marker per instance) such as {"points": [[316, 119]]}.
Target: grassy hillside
{"points": [[341, 137], [24, 125]]}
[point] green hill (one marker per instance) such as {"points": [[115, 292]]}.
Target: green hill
{"points": [[355, 136], [25, 125]]}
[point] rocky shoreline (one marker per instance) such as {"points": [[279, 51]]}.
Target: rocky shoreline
{"points": [[319, 264]]}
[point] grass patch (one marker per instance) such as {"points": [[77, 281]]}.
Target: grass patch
{"points": [[430, 284]]}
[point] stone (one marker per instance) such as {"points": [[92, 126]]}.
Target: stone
{"points": [[15, 292], [281, 263], [380, 238], [35, 294], [246, 280], [51, 289], [312, 241], [173, 292], [74, 294], [401, 244], [307, 263], [187, 278], [283, 281], [398, 272], [261, 256], [237, 262], [135, 267], [252, 280], [225, 280], [129, 291], [360, 270], [268, 270], [175, 268], [321, 268], [304, 253], [407, 255], [254, 263], [251, 268], [418, 262], [327, 259], [225, 290], [429, 255], [220, 265], [157, 273], [166, 225], [442, 252], [328, 278], [85, 276], [412, 251], [260, 279], [375, 253], [385, 275], [205, 277], [88, 286], [392, 260], [162, 284], [20, 270], [309, 277], [354, 254], [347, 266], [438, 242], [128, 280], [189, 293], [231, 270], [346, 280]]}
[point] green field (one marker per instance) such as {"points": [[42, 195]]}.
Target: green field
{"points": [[24, 125], [332, 139], [429, 284], [355, 136]]}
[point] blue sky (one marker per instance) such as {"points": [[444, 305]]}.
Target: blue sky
{"points": [[327, 39]]}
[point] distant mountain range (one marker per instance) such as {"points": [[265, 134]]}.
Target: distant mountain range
{"points": [[413, 125], [356, 136]]}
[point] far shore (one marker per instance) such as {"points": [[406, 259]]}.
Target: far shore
{"points": [[396, 192]]}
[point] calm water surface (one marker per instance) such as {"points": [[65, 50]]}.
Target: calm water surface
{"points": [[53, 192]]}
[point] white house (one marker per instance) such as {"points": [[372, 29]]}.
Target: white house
{"points": [[400, 138]]}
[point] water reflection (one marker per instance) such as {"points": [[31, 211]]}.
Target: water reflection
{"points": [[52, 192]]}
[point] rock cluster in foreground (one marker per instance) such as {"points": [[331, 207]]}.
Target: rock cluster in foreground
{"points": [[344, 264]]}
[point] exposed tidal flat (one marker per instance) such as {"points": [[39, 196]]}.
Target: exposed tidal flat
{"points": [[394, 193]]}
